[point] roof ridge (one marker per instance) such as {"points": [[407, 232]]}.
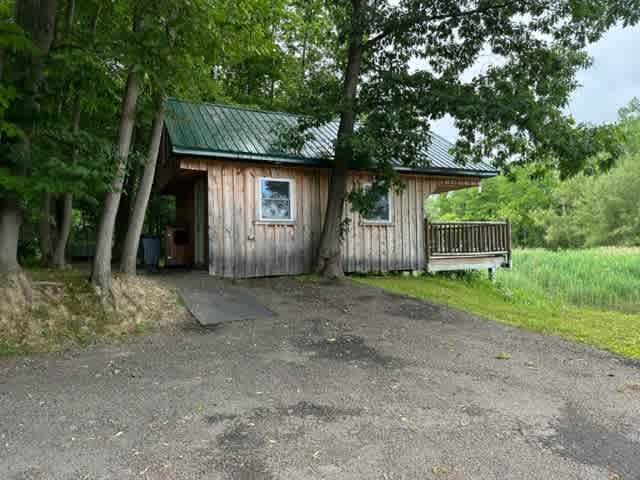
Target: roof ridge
{"points": [[235, 107], [441, 138]]}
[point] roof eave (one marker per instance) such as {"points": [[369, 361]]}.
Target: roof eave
{"points": [[312, 162], [450, 171], [247, 156]]}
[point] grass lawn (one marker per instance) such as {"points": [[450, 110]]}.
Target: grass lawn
{"points": [[524, 303]]}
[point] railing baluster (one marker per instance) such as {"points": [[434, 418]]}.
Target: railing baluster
{"points": [[460, 238]]}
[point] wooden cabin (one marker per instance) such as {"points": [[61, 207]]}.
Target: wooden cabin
{"points": [[252, 210]]}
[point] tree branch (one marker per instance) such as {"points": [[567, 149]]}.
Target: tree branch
{"points": [[444, 16]]}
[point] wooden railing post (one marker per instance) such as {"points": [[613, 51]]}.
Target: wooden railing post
{"points": [[509, 242], [427, 240]]}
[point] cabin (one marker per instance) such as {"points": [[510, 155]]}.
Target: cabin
{"points": [[246, 208]]}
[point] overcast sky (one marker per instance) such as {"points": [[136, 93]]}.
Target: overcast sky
{"points": [[611, 82]]}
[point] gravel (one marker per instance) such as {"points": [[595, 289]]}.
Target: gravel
{"points": [[344, 382]]}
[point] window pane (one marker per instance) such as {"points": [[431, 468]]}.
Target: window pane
{"points": [[380, 210], [276, 209], [276, 190]]}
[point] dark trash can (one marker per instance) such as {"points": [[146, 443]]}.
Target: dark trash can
{"points": [[151, 250]]}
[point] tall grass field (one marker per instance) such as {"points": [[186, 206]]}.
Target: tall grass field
{"points": [[590, 296], [606, 278]]}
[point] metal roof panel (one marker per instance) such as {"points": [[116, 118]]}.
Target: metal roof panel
{"points": [[235, 132]]}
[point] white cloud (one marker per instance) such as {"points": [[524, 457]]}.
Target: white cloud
{"points": [[613, 79], [611, 82]]}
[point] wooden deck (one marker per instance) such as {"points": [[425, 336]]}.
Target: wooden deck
{"points": [[467, 245]]}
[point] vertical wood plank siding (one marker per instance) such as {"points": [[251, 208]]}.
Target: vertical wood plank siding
{"points": [[241, 246]]}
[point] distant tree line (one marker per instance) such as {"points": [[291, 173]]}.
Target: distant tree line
{"points": [[593, 208]]}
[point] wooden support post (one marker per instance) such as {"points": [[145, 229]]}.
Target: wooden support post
{"points": [[492, 274]]}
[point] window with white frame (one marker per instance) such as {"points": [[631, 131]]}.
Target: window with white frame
{"points": [[380, 212], [275, 200]]}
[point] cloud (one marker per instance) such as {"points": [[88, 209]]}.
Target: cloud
{"points": [[611, 82], [613, 79]]}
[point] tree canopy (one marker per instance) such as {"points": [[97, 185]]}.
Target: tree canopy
{"points": [[72, 72]]}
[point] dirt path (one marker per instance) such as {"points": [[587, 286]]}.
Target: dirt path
{"points": [[345, 382]]}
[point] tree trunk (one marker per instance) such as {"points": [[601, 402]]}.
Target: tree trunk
{"points": [[59, 260], [329, 260], [46, 239], [10, 220], [68, 21], [136, 222], [37, 18], [101, 275], [124, 211]]}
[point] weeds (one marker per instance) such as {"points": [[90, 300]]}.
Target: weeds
{"points": [[605, 278]]}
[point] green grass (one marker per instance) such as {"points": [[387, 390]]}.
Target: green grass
{"points": [[611, 330], [606, 278]]}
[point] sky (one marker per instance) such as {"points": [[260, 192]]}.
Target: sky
{"points": [[611, 82]]}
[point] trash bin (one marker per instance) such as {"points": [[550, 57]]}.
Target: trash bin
{"points": [[151, 248]]}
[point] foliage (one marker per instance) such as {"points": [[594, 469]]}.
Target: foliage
{"points": [[591, 211], [510, 112], [614, 331], [176, 48], [295, 45]]}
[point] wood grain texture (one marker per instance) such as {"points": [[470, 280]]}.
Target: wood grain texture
{"points": [[241, 246]]}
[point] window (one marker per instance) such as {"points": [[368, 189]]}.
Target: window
{"points": [[380, 212], [275, 200]]}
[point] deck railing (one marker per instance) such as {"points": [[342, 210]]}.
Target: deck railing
{"points": [[467, 239]]}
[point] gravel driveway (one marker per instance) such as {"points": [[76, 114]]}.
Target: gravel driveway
{"points": [[345, 382]]}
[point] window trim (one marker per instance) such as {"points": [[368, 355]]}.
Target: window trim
{"points": [[292, 196], [389, 220]]}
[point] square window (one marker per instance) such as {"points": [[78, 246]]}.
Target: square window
{"points": [[275, 200], [380, 212]]}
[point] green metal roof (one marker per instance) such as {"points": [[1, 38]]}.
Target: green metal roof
{"points": [[225, 131]]}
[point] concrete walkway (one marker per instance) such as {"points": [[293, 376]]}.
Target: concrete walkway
{"points": [[223, 303]]}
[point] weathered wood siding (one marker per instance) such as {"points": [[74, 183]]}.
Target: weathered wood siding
{"points": [[242, 246]]}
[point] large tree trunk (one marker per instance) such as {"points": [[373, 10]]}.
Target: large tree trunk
{"points": [[10, 220], [330, 260], [136, 221], [37, 18], [101, 275]]}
